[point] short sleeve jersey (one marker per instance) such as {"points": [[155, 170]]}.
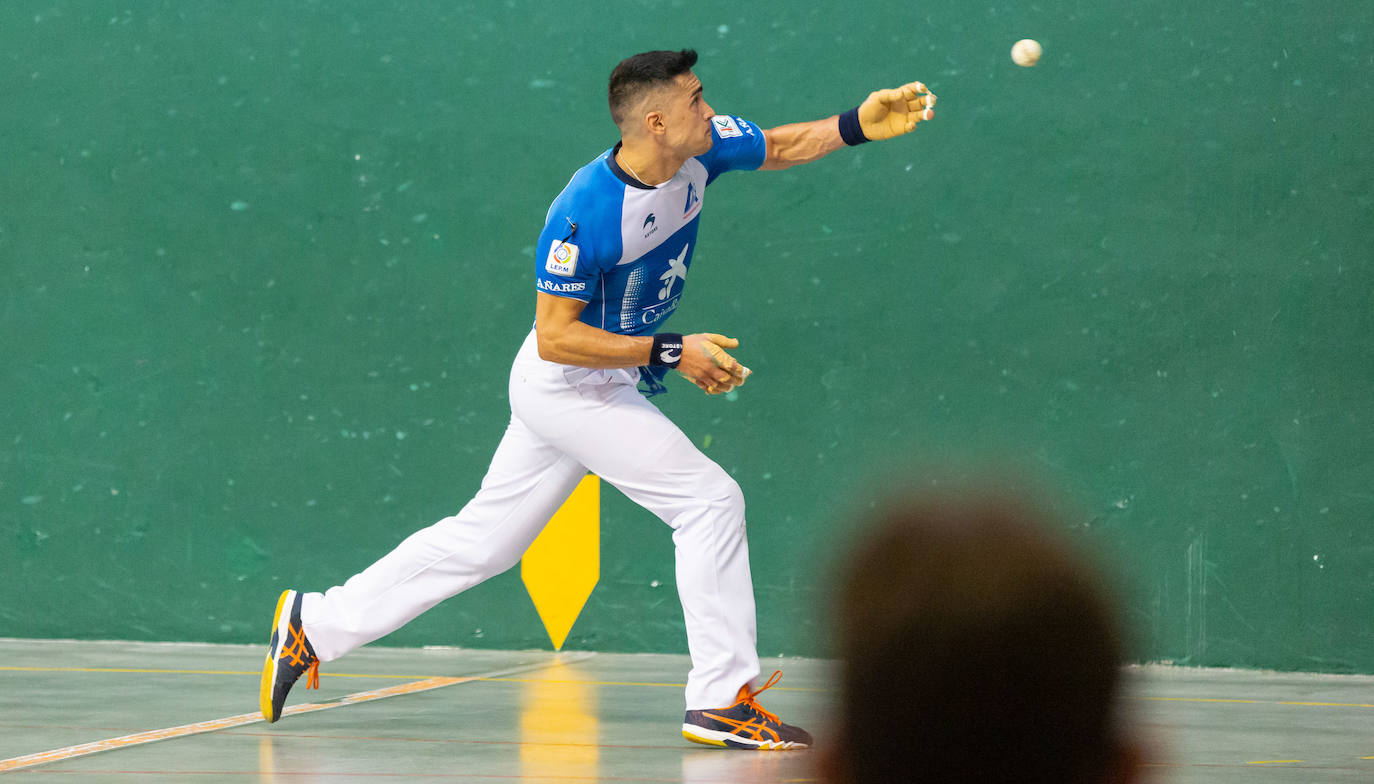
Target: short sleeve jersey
{"points": [[625, 248]]}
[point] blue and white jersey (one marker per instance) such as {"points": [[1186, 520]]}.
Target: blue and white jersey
{"points": [[625, 248]]}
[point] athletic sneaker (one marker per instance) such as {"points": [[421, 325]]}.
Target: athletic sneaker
{"points": [[744, 725], [289, 656]]}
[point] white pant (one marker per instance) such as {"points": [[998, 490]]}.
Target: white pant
{"points": [[566, 421]]}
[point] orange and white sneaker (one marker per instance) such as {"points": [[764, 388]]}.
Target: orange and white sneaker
{"points": [[744, 725], [289, 656]]}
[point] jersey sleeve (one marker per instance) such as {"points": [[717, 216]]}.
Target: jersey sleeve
{"points": [[738, 144], [565, 265], [581, 237]]}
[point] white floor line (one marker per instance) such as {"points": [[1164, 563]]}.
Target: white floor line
{"points": [[228, 722]]}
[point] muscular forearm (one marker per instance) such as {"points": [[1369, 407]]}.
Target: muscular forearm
{"points": [[789, 145], [562, 338], [883, 115], [702, 356], [583, 345]]}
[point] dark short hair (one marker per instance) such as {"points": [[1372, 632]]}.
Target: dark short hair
{"points": [[645, 71], [975, 646]]}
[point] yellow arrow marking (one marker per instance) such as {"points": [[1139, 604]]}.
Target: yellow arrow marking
{"points": [[563, 565]]}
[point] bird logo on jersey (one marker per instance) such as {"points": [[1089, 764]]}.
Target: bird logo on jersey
{"points": [[677, 270]]}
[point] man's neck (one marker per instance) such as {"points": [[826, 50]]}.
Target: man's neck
{"points": [[647, 163]]}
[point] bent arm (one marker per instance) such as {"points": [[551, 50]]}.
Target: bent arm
{"points": [[567, 341]]}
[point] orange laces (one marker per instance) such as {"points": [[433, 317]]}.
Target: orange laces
{"points": [[296, 653], [747, 697]]}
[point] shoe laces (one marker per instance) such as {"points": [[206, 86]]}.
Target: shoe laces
{"points": [[746, 697], [297, 652]]}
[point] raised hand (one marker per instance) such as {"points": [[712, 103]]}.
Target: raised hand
{"points": [[888, 113]]}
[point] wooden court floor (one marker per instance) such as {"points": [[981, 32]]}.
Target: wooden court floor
{"points": [[126, 712]]}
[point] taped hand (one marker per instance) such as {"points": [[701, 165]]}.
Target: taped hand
{"points": [[706, 363], [888, 113]]}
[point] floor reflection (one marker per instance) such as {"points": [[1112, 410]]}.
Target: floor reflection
{"points": [[558, 727]]}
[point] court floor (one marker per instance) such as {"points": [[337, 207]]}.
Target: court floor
{"points": [[125, 712]]}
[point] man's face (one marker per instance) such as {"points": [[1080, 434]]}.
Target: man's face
{"points": [[687, 116]]}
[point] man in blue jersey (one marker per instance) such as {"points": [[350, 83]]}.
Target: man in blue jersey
{"points": [[611, 266]]}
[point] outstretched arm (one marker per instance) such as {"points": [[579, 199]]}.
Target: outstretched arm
{"points": [[883, 115]]}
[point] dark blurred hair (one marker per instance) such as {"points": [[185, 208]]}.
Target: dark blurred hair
{"points": [[644, 71], [975, 647]]}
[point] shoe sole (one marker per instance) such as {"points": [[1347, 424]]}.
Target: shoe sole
{"points": [[731, 741], [269, 668]]}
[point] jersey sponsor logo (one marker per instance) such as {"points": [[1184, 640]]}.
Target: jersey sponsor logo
{"points": [[659, 312], [562, 259], [726, 127], [650, 225], [677, 270], [693, 199], [561, 288]]}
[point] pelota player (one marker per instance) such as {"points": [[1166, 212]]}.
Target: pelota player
{"points": [[611, 265]]}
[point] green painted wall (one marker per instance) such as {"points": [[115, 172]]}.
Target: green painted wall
{"points": [[264, 266]]}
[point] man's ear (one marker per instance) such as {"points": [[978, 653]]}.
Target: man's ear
{"points": [[653, 123]]}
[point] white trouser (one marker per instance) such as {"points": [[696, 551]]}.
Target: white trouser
{"points": [[566, 421]]}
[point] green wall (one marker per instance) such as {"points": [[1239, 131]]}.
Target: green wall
{"points": [[265, 264]]}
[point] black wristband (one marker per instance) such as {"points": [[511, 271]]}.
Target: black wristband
{"points": [[850, 130], [667, 350]]}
